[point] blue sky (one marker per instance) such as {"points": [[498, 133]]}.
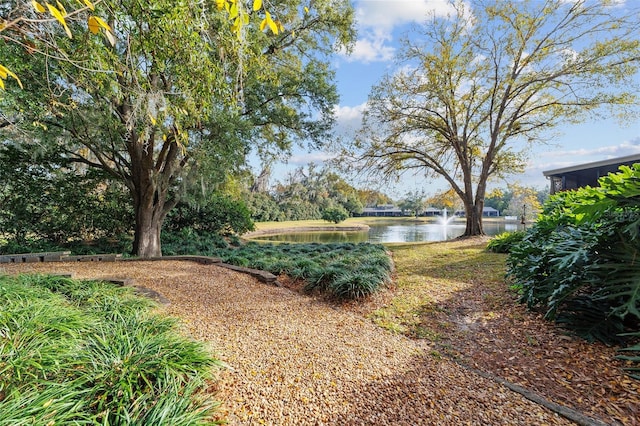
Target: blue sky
{"points": [[381, 24]]}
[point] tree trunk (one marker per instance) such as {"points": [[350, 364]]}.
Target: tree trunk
{"points": [[474, 219], [148, 226], [150, 208]]}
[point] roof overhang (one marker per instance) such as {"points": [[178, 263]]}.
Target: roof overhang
{"points": [[635, 158]]}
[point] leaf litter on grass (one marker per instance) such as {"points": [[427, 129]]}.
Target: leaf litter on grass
{"points": [[454, 296]]}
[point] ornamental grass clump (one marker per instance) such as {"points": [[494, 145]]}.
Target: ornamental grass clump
{"points": [[332, 268], [76, 352]]}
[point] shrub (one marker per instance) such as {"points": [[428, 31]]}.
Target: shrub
{"points": [[354, 285], [503, 242], [219, 215], [320, 265], [580, 263], [42, 200], [335, 214]]}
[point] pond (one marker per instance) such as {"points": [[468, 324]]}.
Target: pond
{"points": [[395, 232]]}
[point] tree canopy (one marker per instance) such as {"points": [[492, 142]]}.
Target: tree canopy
{"points": [[475, 90], [24, 23], [159, 113]]}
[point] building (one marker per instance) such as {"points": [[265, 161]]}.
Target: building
{"points": [[486, 212], [490, 212], [432, 211], [581, 175], [387, 210]]}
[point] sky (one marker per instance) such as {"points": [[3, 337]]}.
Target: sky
{"points": [[381, 24]]}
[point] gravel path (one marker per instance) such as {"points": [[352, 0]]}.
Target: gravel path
{"points": [[295, 360]]}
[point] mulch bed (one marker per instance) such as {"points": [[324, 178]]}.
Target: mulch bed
{"points": [[299, 360]]}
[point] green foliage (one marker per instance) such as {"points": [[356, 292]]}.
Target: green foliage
{"points": [[92, 353], [188, 241], [79, 247], [503, 242], [263, 207], [220, 214], [335, 214], [580, 263], [42, 199], [633, 371], [306, 194], [413, 203]]}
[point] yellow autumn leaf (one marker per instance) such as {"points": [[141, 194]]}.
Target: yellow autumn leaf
{"points": [[102, 23], [1, 83], [263, 24], [56, 14], [306, 9], [257, 5], [95, 23], [236, 25], [89, 4], [233, 12], [94, 27], [38, 7], [272, 25], [61, 8], [110, 37], [6, 72], [220, 4], [153, 120]]}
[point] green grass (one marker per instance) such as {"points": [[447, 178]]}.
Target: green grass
{"points": [[429, 273], [81, 353]]}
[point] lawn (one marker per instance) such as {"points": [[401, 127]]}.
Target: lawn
{"points": [[428, 274]]}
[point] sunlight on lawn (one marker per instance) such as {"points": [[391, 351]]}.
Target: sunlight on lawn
{"points": [[429, 274]]}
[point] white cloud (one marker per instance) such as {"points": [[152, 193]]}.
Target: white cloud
{"points": [[386, 14], [552, 160], [312, 157], [371, 49], [348, 119], [377, 19], [600, 153]]}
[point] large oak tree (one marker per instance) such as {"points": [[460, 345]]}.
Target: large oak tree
{"points": [[476, 88], [180, 97]]}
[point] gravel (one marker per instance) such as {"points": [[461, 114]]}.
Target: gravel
{"points": [[296, 360]]}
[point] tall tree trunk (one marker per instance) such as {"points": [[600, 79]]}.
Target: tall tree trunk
{"points": [[146, 243], [149, 216], [149, 188], [473, 213]]}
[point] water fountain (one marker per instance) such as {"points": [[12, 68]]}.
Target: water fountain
{"points": [[444, 220]]}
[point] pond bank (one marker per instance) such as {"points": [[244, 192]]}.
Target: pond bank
{"points": [[312, 228]]}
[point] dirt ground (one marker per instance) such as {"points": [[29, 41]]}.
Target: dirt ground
{"points": [[293, 359]]}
